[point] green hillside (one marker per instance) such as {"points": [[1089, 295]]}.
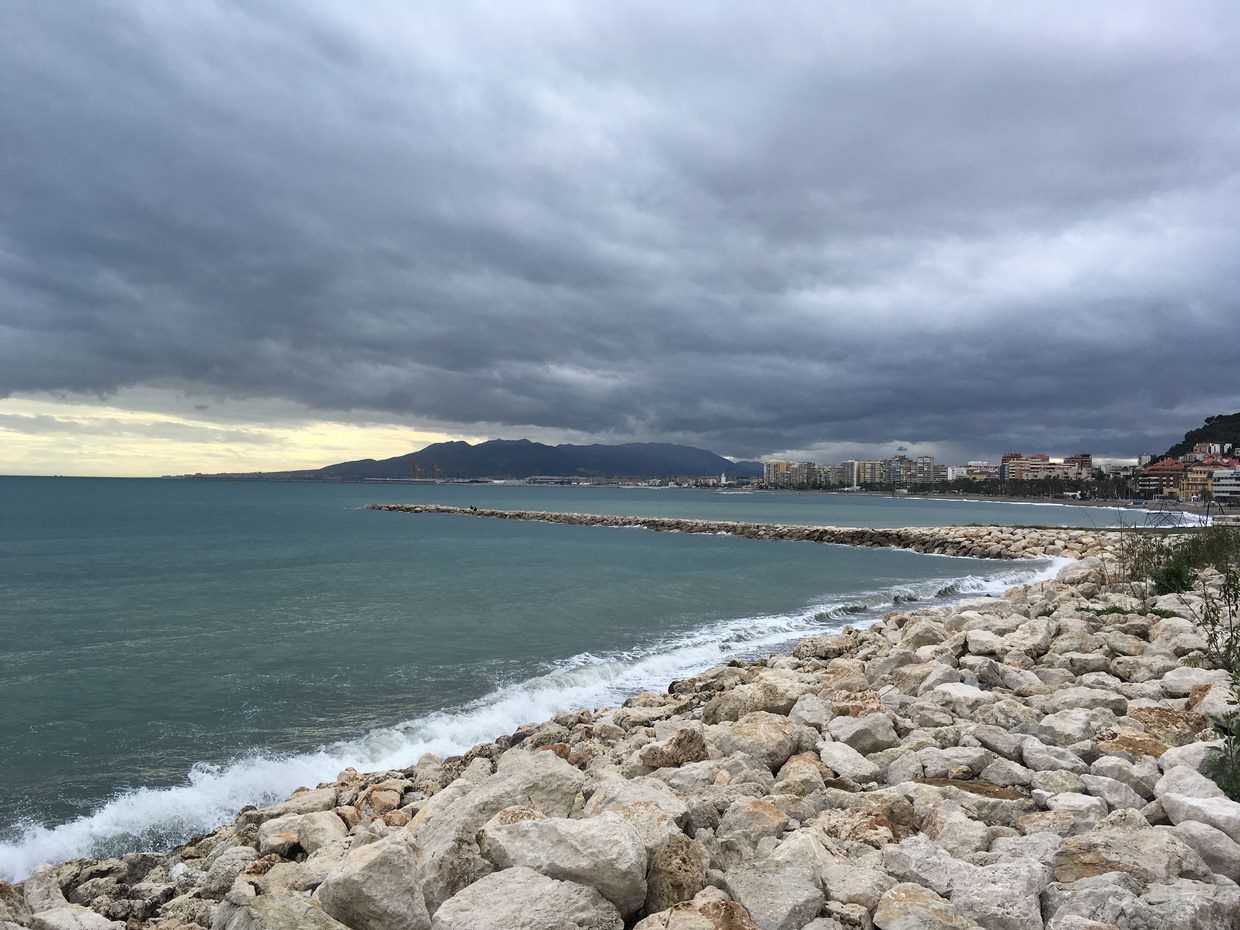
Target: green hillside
{"points": [[1220, 428]]}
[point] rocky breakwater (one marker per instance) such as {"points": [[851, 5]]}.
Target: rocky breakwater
{"points": [[1015, 763], [983, 542]]}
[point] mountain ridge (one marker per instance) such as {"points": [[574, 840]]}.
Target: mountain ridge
{"points": [[524, 458]]}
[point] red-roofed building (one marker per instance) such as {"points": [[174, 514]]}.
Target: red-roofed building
{"points": [[1161, 477]]}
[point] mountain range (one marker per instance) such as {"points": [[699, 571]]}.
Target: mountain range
{"points": [[521, 458]]}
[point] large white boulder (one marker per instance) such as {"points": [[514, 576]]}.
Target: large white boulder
{"points": [[603, 852], [522, 899]]}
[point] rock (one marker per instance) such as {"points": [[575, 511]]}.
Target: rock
{"points": [[320, 829], [1220, 852], [687, 744], [1170, 727], [377, 887], [773, 691], [750, 819], [1083, 811], [1004, 896], [778, 895], [769, 738], [281, 911], [871, 733], [711, 914], [279, 834], [676, 873], [72, 917], [522, 899], [1219, 813], [983, 642], [42, 890], [1150, 855], [1140, 777], [450, 855], [963, 700], [603, 852], [812, 711], [954, 830], [919, 859], [1195, 755], [1088, 698], [1193, 905], [616, 793], [303, 802], [1040, 757], [1109, 900], [227, 865], [913, 907], [1115, 793], [1178, 682], [1187, 782], [846, 761]]}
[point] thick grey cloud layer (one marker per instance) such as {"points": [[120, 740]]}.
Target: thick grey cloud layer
{"points": [[758, 228]]}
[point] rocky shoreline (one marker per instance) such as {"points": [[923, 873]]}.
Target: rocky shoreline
{"points": [[1029, 761], [982, 542]]}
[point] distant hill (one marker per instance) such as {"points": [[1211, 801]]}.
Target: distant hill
{"points": [[521, 458], [1220, 428]]}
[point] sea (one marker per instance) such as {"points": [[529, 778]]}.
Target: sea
{"points": [[172, 650]]}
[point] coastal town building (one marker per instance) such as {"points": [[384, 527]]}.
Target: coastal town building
{"points": [[1160, 478], [1226, 485], [777, 474]]}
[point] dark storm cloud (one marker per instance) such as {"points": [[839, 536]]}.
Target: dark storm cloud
{"points": [[982, 225]]}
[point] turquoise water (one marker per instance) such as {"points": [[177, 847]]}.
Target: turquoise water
{"points": [[173, 650]]}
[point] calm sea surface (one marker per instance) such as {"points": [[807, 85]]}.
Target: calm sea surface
{"points": [[173, 650]]}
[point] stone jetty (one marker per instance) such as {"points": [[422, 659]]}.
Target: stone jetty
{"points": [[1031, 762], [984, 542]]}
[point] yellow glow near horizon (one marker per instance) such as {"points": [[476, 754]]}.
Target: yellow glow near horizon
{"points": [[50, 437]]}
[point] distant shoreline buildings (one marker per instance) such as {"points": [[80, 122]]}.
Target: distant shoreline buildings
{"points": [[1210, 471]]}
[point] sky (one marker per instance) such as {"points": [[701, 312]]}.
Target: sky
{"points": [[267, 235]]}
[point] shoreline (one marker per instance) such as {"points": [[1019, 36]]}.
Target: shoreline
{"points": [[972, 541], [863, 843]]}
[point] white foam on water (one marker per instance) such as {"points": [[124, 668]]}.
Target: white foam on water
{"points": [[146, 818]]}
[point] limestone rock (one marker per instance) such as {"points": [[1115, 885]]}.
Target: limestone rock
{"points": [[225, 868], [913, 907], [1150, 855], [603, 852], [1219, 813], [1220, 852], [687, 744], [769, 738], [522, 899], [779, 895], [849, 763], [867, 734], [377, 887], [676, 873], [1004, 896], [710, 914], [277, 912]]}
